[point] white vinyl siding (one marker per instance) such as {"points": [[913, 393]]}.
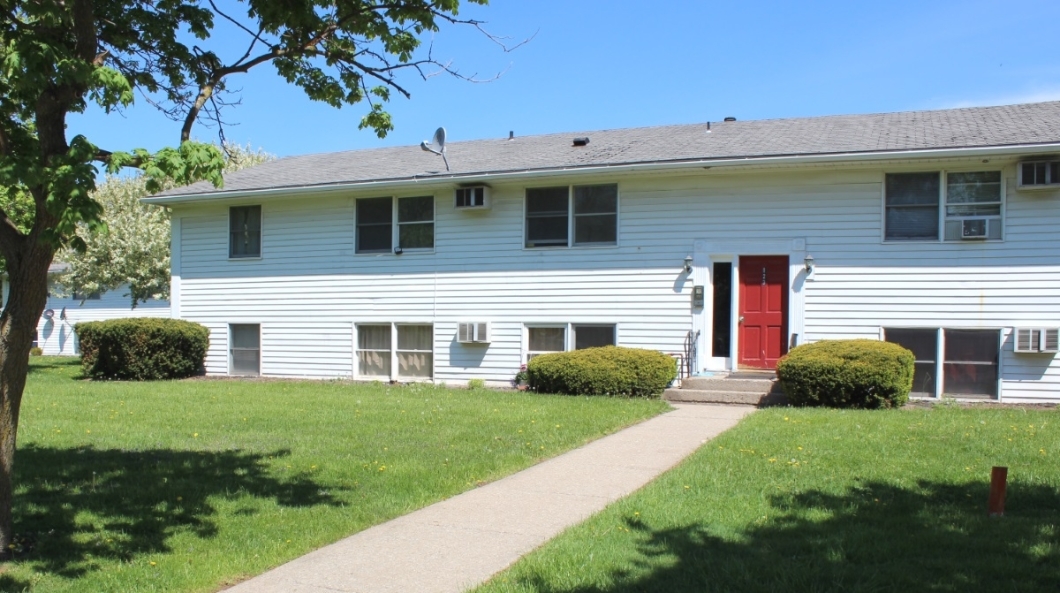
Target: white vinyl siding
{"points": [[55, 336], [313, 292]]}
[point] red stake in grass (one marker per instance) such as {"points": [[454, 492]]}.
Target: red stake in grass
{"points": [[998, 478]]}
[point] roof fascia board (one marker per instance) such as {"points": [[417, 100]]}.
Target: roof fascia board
{"points": [[512, 176]]}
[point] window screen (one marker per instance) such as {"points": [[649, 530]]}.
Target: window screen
{"points": [[923, 343], [970, 366], [374, 219], [595, 214], [415, 351], [373, 350], [546, 216], [245, 349], [593, 336], [244, 225], [912, 205], [416, 222]]}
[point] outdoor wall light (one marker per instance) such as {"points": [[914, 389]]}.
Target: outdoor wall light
{"points": [[688, 264], [809, 263]]}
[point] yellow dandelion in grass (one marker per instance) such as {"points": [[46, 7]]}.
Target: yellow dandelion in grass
{"points": [[687, 486], [153, 563], [799, 448], [195, 436], [382, 468], [90, 432], [772, 460]]}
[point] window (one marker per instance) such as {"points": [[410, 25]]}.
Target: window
{"points": [[244, 226], [553, 338], [415, 348], [914, 202], [542, 340], [92, 296], [923, 343], [373, 350], [374, 219], [244, 349], [416, 222], [414, 353], [376, 231], [593, 336], [912, 206], [971, 363], [590, 210], [972, 197], [968, 365]]}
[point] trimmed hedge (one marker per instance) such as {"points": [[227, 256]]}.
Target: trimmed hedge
{"points": [[142, 348], [847, 374], [610, 370]]}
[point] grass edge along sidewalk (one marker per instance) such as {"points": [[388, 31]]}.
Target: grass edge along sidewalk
{"points": [[191, 485], [827, 500]]}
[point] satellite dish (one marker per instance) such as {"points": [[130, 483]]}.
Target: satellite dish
{"points": [[49, 313], [439, 141]]}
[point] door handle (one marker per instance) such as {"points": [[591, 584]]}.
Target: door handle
{"points": [[740, 320]]}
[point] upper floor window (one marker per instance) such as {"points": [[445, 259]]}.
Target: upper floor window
{"points": [[377, 233], [955, 206], [244, 226], [588, 212]]}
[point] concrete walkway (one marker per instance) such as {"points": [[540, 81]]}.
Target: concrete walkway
{"points": [[461, 542]]}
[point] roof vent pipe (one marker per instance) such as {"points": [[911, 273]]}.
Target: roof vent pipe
{"points": [[730, 118], [511, 134], [581, 141]]}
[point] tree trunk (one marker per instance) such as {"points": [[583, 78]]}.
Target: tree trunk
{"points": [[28, 279]]}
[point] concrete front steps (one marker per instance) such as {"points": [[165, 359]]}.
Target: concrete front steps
{"points": [[756, 388]]}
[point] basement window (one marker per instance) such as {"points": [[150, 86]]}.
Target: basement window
{"points": [[244, 353], [959, 362]]}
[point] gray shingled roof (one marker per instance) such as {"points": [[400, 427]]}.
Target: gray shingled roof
{"points": [[1035, 123]]}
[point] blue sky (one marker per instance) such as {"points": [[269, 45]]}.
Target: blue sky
{"points": [[601, 64]]}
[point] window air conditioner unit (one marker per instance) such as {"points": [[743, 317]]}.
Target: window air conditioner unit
{"points": [[1037, 339], [1039, 174], [973, 228], [473, 332], [472, 197]]}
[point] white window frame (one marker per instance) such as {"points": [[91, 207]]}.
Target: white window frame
{"points": [[568, 335], [395, 226], [940, 233], [940, 358], [395, 374], [571, 219], [527, 353], [231, 348]]}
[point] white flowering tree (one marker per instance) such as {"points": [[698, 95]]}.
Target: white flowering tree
{"points": [[132, 250]]}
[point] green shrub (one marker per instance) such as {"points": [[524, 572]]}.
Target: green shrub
{"points": [[609, 370], [847, 374], [36, 351], [476, 383], [142, 349]]}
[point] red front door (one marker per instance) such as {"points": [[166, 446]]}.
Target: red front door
{"points": [[763, 310]]}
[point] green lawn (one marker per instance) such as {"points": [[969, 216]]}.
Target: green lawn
{"points": [[188, 485], [818, 500]]}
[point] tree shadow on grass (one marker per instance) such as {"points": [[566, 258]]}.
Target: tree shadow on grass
{"points": [[53, 364], [877, 537], [76, 505]]}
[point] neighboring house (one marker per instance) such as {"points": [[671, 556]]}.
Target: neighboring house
{"points": [[725, 243], [55, 330]]}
